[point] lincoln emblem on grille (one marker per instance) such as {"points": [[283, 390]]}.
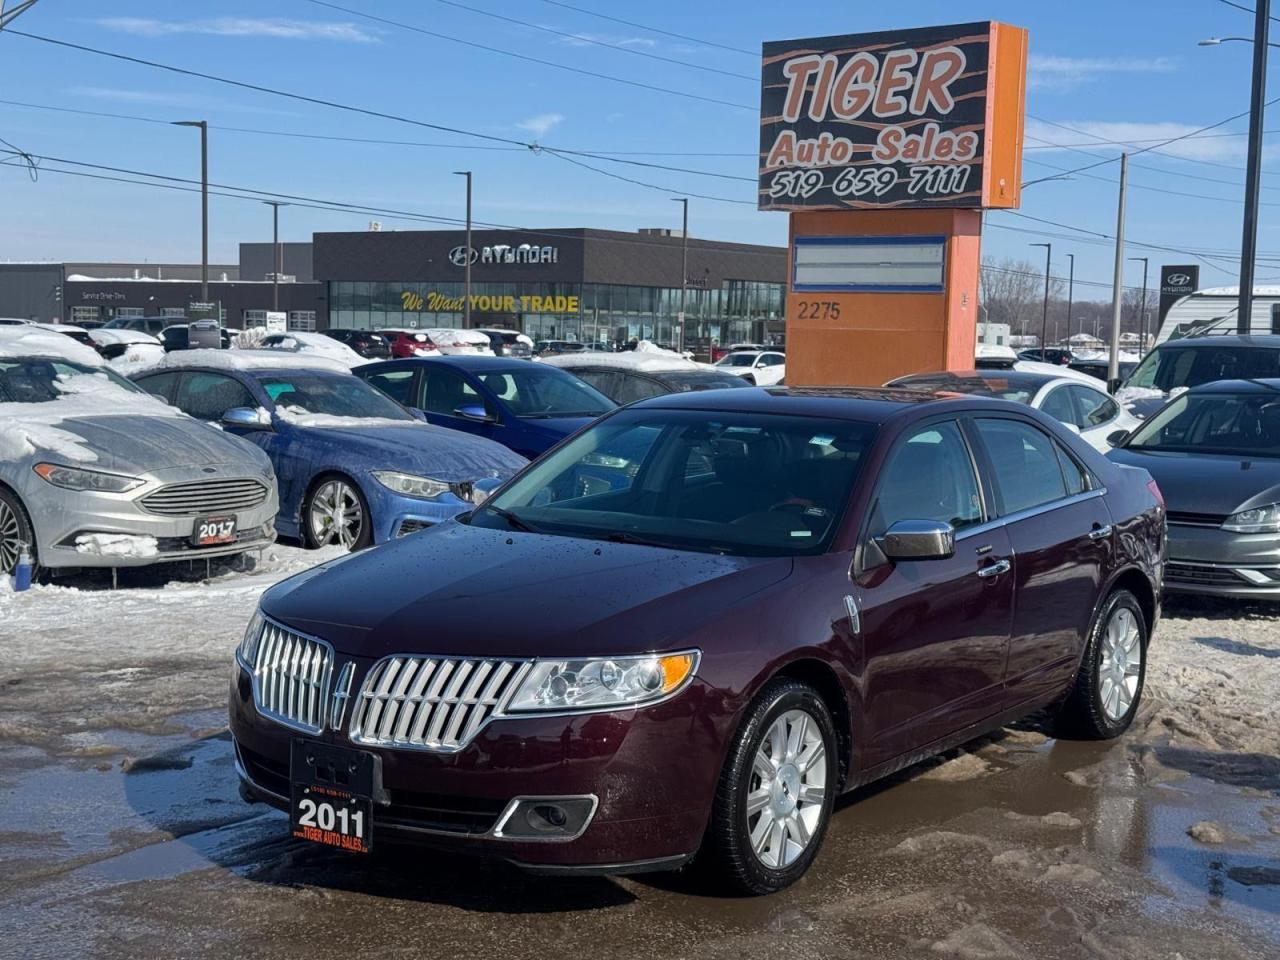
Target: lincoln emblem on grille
{"points": [[341, 694]]}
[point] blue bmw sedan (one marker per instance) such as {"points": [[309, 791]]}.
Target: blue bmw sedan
{"points": [[353, 467], [525, 406]]}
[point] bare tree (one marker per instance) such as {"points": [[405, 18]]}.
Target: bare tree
{"points": [[1012, 292]]}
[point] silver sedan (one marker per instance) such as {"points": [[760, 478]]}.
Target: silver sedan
{"points": [[96, 473]]}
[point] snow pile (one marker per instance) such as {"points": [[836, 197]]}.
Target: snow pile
{"points": [[137, 357], [28, 427], [299, 417], [248, 360], [315, 345], [451, 337], [117, 545], [31, 341], [249, 339], [105, 338]]}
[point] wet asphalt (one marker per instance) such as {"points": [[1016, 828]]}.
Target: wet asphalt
{"points": [[1021, 846]]}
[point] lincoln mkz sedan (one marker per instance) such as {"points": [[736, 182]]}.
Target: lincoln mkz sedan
{"points": [[781, 595]]}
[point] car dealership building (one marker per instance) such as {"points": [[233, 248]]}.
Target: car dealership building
{"points": [[555, 284]]}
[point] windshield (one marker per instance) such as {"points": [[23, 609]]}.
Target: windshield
{"points": [[741, 484], [1245, 424], [537, 392], [40, 380], [737, 360], [1183, 366], [308, 392]]}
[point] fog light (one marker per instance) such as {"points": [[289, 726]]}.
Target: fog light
{"points": [[545, 818]]}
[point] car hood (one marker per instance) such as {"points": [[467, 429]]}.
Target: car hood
{"points": [[459, 590], [137, 444], [437, 452], [1207, 483]]}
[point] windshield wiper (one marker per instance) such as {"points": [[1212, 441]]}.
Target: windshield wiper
{"points": [[514, 520]]}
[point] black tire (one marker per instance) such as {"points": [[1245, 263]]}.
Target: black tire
{"points": [[1084, 715], [309, 536], [15, 528], [727, 858]]}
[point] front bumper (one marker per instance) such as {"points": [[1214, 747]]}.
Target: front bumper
{"points": [[397, 516], [653, 772], [1214, 562], [62, 517]]}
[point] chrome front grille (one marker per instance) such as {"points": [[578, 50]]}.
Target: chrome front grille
{"points": [[206, 497], [291, 678], [431, 703]]}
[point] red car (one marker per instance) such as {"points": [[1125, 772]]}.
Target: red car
{"points": [[690, 627], [409, 343]]}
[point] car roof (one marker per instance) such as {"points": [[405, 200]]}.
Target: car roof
{"points": [[838, 403], [1259, 386], [477, 363], [251, 373], [1259, 341], [968, 380]]}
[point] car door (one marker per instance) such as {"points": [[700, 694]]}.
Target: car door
{"points": [[1060, 531], [443, 391], [1097, 414], [935, 632]]}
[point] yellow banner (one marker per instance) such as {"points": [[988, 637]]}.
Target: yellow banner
{"points": [[435, 302]]}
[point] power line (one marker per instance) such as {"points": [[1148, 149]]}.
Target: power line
{"points": [[1148, 187], [658, 30], [651, 186], [528, 59], [1248, 10], [596, 41]]}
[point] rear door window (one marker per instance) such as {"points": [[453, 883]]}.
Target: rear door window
{"points": [[1024, 463], [1096, 408], [631, 387], [1057, 404], [160, 384], [207, 396], [396, 384]]}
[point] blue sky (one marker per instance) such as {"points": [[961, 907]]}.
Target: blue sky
{"points": [[1115, 71]]}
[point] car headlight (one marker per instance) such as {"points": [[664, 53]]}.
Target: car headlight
{"points": [[73, 478], [406, 484], [1258, 520], [602, 682], [247, 651]]}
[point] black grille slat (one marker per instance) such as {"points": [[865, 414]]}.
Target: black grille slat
{"points": [[1188, 519]]}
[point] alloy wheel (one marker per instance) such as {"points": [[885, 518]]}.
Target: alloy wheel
{"points": [[1120, 663], [10, 537], [788, 785], [336, 515]]}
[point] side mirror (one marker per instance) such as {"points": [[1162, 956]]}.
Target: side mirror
{"points": [[1117, 437], [919, 540], [244, 418], [417, 414], [1114, 385], [473, 411]]}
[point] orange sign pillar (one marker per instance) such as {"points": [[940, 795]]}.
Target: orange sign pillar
{"points": [[885, 148]]}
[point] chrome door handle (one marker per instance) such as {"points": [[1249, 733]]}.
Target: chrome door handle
{"points": [[1101, 533], [995, 569]]}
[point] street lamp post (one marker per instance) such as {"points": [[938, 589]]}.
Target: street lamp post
{"points": [[466, 259], [684, 270], [1142, 315], [204, 202], [1253, 172], [1044, 319], [1071, 289], [277, 266]]}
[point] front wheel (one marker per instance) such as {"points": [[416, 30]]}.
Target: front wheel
{"points": [[335, 512], [15, 530], [1108, 688], [774, 799]]}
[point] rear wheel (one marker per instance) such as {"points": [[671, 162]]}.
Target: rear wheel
{"points": [[775, 794], [1108, 688], [15, 530], [335, 512]]}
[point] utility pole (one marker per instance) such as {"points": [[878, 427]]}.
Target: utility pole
{"points": [[1253, 174], [1142, 315], [1117, 288], [276, 258], [1071, 288], [1044, 317], [466, 270], [204, 202], [684, 270]]}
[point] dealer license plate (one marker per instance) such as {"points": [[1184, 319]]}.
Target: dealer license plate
{"points": [[332, 795], [211, 531]]}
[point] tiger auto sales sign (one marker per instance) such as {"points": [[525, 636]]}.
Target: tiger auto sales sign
{"points": [[929, 117]]}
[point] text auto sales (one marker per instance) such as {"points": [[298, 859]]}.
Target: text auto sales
{"points": [[903, 84]]}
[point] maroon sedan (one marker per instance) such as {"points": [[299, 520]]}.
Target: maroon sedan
{"points": [[688, 628]]}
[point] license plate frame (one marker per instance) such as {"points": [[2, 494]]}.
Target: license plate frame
{"points": [[331, 795], [223, 531]]}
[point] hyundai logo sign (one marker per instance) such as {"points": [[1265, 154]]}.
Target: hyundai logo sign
{"points": [[461, 256], [1177, 280]]}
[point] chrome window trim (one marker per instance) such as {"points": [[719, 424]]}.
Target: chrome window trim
{"points": [[1030, 512], [325, 679]]}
